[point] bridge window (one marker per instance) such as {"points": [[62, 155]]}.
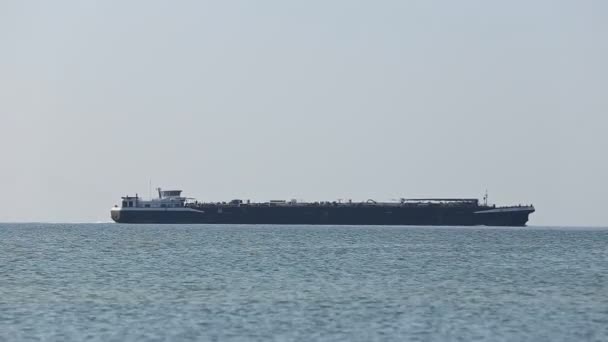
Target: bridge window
{"points": [[130, 203], [124, 204], [147, 206]]}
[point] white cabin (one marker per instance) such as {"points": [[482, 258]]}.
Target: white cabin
{"points": [[166, 199]]}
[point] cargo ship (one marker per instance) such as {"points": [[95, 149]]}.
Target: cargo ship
{"points": [[171, 207]]}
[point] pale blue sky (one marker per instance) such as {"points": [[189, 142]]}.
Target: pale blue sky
{"points": [[315, 100]]}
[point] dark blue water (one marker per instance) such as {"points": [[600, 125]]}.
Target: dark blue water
{"points": [[147, 282]]}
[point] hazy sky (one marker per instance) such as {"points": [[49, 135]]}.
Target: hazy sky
{"points": [[315, 100]]}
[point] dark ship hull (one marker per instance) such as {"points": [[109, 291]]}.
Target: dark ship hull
{"points": [[421, 214]]}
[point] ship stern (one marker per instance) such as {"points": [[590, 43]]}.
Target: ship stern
{"points": [[115, 214]]}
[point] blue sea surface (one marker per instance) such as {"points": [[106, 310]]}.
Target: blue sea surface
{"points": [[112, 282]]}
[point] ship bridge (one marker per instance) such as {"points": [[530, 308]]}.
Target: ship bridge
{"points": [[166, 199], [169, 193]]}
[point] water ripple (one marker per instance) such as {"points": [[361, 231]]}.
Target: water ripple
{"points": [[231, 283]]}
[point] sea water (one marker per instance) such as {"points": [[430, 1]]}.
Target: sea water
{"points": [[285, 283]]}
